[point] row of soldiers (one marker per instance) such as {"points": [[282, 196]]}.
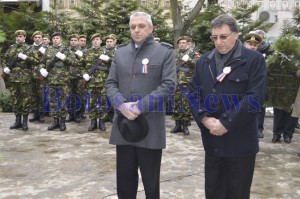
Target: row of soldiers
{"points": [[58, 79], [68, 80]]}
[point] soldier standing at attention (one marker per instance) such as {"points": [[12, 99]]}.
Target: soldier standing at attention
{"points": [[75, 106], [37, 98], [17, 62], [109, 49], [82, 42], [96, 72], [46, 40], [185, 67], [58, 61]]}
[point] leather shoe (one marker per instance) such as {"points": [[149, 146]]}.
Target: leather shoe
{"points": [[260, 134], [276, 138], [287, 140]]}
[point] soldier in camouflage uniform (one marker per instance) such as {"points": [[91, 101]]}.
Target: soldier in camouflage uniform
{"points": [[96, 72], [109, 49], [18, 61], [46, 40], [76, 103], [36, 85], [82, 42], [185, 68], [58, 60]]}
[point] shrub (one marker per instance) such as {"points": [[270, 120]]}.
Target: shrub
{"points": [[5, 101]]}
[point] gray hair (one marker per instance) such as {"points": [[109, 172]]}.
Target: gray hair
{"points": [[142, 14], [224, 19]]}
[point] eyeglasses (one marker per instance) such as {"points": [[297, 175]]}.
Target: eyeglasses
{"points": [[222, 37]]}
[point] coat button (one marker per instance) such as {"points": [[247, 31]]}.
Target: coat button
{"points": [[133, 76], [237, 80]]}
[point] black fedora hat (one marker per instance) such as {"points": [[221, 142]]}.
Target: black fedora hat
{"points": [[133, 130]]}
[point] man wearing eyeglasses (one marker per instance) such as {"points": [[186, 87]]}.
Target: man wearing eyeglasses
{"points": [[228, 89]]}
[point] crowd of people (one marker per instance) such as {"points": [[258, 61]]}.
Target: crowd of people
{"points": [[222, 90]]}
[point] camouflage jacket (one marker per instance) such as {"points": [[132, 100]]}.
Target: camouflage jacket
{"points": [[39, 57], [21, 70], [95, 67], [185, 70], [76, 69], [59, 71], [110, 52]]}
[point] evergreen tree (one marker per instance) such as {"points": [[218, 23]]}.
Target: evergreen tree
{"points": [[116, 18], [159, 20], [200, 29], [243, 12]]}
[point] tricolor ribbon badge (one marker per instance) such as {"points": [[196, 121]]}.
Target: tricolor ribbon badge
{"points": [[145, 66], [225, 72]]}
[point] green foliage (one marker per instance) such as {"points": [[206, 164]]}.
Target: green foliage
{"points": [[281, 64], [159, 20], [200, 28], [116, 18], [243, 13], [5, 101]]}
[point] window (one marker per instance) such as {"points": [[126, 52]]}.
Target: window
{"points": [[285, 5], [167, 4], [296, 4], [273, 5], [155, 2]]}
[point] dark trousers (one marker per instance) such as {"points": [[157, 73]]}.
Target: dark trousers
{"points": [[283, 123], [261, 119], [129, 159], [228, 177]]}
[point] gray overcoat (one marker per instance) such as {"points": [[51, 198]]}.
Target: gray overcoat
{"points": [[127, 82]]}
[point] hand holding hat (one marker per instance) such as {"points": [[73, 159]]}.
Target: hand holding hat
{"points": [[130, 110], [133, 130]]}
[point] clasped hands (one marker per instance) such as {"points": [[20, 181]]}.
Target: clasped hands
{"points": [[130, 110], [214, 126]]}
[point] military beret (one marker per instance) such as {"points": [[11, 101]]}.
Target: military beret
{"points": [[20, 32], [253, 37], [82, 36], [73, 36], [56, 34], [182, 38], [46, 35], [95, 35], [111, 36], [36, 33]]}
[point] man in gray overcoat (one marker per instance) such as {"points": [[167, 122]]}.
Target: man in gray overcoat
{"points": [[142, 76]]}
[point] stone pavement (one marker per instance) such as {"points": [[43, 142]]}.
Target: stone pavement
{"points": [[77, 164]]}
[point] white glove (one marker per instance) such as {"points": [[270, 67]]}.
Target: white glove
{"points": [[6, 70], [44, 72], [104, 57], [185, 57], [60, 56], [86, 77], [79, 53], [42, 50], [22, 56]]}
